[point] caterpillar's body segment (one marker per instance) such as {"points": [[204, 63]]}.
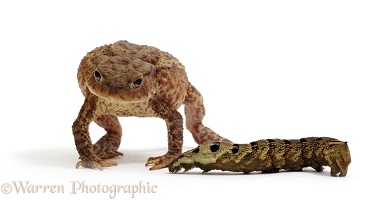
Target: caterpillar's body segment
{"points": [[269, 155]]}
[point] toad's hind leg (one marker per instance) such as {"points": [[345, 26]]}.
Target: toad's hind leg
{"points": [[107, 146], [195, 111]]}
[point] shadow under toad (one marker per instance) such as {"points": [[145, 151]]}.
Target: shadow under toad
{"points": [[67, 158]]}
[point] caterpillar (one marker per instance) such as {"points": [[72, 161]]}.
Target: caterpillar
{"points": [[270, 155]]}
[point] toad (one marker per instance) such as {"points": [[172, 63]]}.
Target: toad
{"points": [[126, 79]]}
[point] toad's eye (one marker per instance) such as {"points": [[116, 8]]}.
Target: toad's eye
{"points": [[137, 83], [97, 75]]}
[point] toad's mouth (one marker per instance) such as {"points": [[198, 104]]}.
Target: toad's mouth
{"points": [[120, 95]]}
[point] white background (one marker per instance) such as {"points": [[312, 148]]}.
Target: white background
{"points": [[266, 69]]}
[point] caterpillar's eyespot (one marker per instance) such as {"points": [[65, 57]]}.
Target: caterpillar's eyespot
{"points": [[302, 140], [270, 140], [287, 142], [137, 83], [196, 150], [235, 148], [97, 75], [318, 139], [215, 146]]}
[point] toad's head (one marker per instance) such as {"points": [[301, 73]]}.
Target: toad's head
{"points": [[121, 79]]}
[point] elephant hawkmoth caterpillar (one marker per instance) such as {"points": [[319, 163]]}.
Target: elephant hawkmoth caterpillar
{"points": [[268, 155]]}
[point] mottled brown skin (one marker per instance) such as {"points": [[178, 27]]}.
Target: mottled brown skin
{"points": [[269, 155], [125, 79]]}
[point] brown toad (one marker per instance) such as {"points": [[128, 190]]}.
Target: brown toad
{"points": [[125, 79]]}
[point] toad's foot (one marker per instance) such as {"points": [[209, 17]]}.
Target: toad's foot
{"points": [[96, 164], [161, 161]]}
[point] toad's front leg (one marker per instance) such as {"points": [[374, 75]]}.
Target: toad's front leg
{"points": [[174, 123], [83, 142]]}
